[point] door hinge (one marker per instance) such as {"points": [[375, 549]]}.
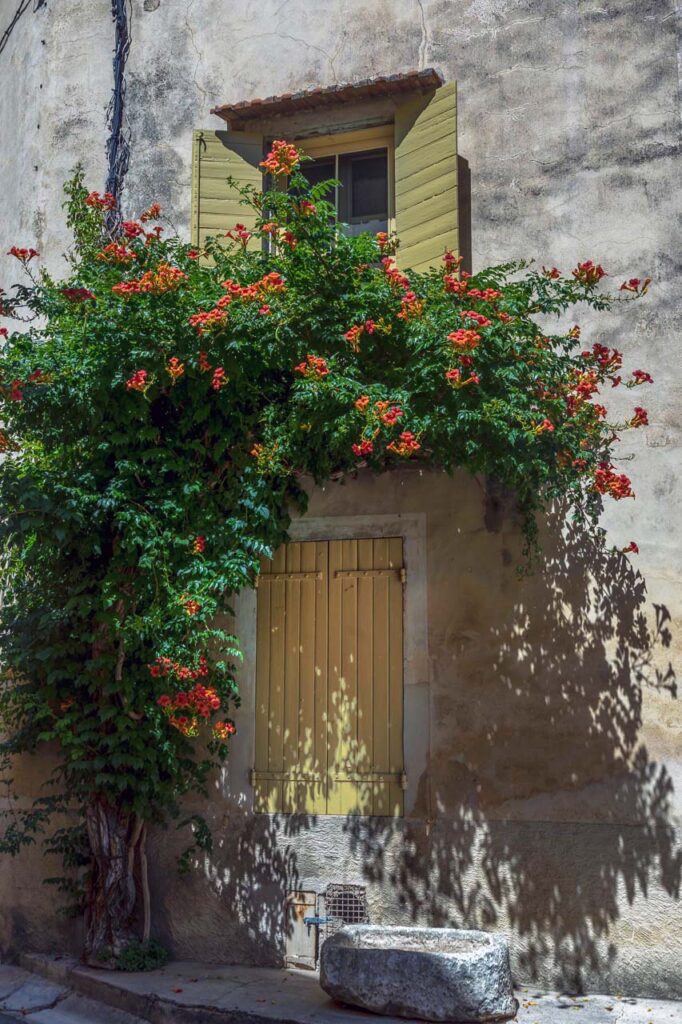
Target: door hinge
{"points": [[268, 577], [361, 574]]}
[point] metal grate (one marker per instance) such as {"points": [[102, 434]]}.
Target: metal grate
{"points": [[343, 904]]}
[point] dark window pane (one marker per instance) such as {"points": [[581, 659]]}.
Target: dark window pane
{"points": [[369, 185], [316, 171]]}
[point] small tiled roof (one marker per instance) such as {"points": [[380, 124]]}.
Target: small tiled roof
{"points": [[333, 95]]}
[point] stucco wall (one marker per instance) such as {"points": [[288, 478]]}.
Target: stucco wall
{"points": [[539, 751], [552, 791]]}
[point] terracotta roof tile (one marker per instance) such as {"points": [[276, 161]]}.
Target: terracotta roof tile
{"points": [[333, 95]]}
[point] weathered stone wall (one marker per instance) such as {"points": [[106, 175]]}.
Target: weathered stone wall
{"points": [[551, 794]]}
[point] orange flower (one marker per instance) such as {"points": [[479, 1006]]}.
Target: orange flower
{"points": [[283, 158], [589, 274], [239, 233], [23, 255], [365, 447], [151, 214], [114, 253], [105, 202], [175, 368], [452, 283], [313, 367], [405, 446], [165, 279], [223, 730], [352, 336], [207, 321], [464, 339], [220, 378], [138, 381]]}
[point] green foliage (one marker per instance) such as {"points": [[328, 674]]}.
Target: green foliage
{"points": [[161, 411], [142, 956]]}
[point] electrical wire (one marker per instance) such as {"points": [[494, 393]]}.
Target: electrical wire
{"points": [[21, 9], [118, 143]]}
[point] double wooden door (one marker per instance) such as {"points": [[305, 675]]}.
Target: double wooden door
{"points": [[329, 678]]}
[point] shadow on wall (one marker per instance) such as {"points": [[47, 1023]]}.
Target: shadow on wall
{"points": [[252, 867], [544, 810], [464, 213]]}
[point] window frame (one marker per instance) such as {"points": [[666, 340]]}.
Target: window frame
{"points": [[360, 140]]}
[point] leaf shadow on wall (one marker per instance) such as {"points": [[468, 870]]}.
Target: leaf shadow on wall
{"points": [[544, 813], [231, 907]]}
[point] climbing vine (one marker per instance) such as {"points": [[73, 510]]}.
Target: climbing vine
{"points": [[164, 406]]}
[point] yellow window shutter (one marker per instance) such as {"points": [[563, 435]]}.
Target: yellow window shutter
{"points": [[329, 679], [426, 178], [216, 156]]}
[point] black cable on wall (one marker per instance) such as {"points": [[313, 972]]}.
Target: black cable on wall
{"points": [[118, 143], [23, 6]]}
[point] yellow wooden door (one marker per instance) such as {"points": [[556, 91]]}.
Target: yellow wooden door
{"points": [[291, 680], [329, 679]]}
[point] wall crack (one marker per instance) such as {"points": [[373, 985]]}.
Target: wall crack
{"points": [[424, 42]]}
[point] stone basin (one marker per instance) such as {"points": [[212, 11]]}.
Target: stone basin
{"points": [[440, 974]]}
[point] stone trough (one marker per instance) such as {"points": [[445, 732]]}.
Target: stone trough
{"points": [[439, 974]]}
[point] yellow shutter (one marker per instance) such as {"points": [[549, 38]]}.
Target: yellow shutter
{"points": [[426, 178], [329, 679], [365, 747], [291, 680], [216, 156]]}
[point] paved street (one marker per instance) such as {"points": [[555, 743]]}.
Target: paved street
{"points": [[63, 992]]}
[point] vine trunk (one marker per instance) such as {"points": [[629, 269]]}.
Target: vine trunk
{"points": [[114, 839]]}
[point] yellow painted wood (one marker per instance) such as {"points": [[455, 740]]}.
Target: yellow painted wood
{"points": [[292, 648], [365, 657], [310, 795], [277, 663], [336, 681], [215, 156], [426, 178], [329, 679], [289, 766], [321, 716], [395, 680], [377, 137], [380, 755]]}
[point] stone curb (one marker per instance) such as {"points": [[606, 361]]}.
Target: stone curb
{"points": [[153, 1008]]}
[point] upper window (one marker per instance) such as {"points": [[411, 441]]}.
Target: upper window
{"points": [[363, 163], [398, 175]]}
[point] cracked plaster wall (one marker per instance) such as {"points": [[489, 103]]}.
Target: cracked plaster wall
{"points": [[552, 799]]}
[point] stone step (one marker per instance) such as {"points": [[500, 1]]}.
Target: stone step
{"points": [[29, 997], [196, 993]]}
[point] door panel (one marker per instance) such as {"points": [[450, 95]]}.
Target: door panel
{"points": [[329, 678]]}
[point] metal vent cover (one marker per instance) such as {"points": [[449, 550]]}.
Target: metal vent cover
{"points": [[343, 904]]}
